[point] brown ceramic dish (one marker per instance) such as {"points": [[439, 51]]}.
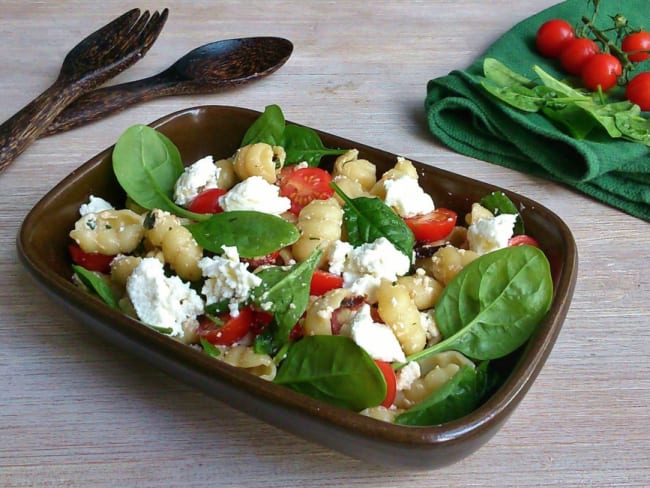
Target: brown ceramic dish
{"points": [[217, 130]]}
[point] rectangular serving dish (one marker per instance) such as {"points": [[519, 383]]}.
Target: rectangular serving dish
{"points": [[217, 130]]}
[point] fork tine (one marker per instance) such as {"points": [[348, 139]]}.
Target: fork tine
{"points": [[121, 22], [152, 30]]}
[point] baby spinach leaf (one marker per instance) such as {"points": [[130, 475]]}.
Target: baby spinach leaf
{"points": [[333, 369], [498, 203], [285, 293], [303, 144], [95, 284], [264, 233], [571, 119], [494, 70], [518, 96], [459, 396], [494, 304], [300, 143], [267, 128], [633, 127], [367, 219], [147, 164], [209, 348]]}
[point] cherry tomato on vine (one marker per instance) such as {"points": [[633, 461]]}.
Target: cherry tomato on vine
{"points": [[303, 185], [322, 282], [553, 36], [391, 382], [433, 226], [92, 261], [601, 70], [637, 41], [638, 90], [207, 201], [232, 329], [576, 53]]}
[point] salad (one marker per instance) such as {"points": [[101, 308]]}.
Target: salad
{"points": [[349, 286]]}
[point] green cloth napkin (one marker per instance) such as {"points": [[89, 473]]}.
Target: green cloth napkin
{"points": [[470, 121]]}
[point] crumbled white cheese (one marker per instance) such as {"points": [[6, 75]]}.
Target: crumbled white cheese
{"points": [[377, 339], [366, 265], [227, 279], [255, 193], [336, 256], [406, 197], [162, 301], [407, 375], [94, 205], [488, 235], [197, 177]]}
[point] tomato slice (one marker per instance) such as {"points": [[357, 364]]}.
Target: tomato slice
{"points": [[304, 185], [322, 282], [207, 201], [522, 240], [232, 330], [391, 382], [92, 261], [433, 226]]}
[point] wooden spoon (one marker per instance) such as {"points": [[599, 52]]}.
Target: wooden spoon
{"points": [[206, 69], [93, 61]]}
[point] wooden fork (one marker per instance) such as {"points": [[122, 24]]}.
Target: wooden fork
{"points": [[100, 56]]}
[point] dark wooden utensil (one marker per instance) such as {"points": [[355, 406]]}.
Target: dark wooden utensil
{"points": [[97, 58], [206, 69]]}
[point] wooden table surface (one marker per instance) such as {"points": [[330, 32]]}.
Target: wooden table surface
{"points": [[76, 411]]}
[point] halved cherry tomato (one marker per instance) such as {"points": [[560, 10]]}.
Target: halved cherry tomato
{"points": [[522, 239], [601, 70], [391, 382], [322, 282], [553, 36], [304, 185], [637, 43], [433, 226], [92, 261], [207, 201], [232, 330], [576, 53]]}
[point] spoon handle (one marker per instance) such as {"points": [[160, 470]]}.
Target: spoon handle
{"points": [[25, 126], [101, 102]]}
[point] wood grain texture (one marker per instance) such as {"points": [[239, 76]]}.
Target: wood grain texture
{"points": [[75, 411]]}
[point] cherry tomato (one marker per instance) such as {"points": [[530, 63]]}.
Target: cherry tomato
{"points": [[553, 36], [601, 70], [207, 201], [638, 41], [304, 185], [322, 282], [260, 321], [638, 90], [391, 382], [433, 226], [232, 330], [521, 240], [92, 261], [576, 53]]}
